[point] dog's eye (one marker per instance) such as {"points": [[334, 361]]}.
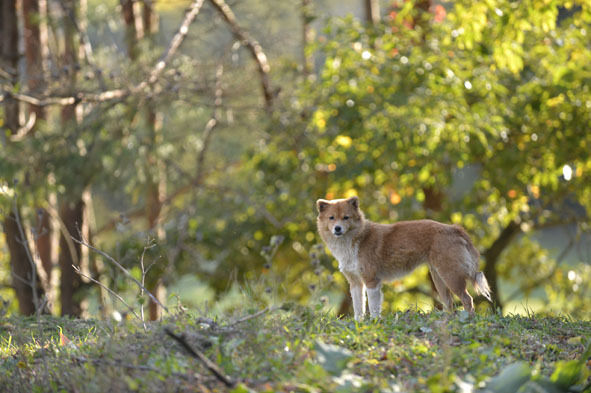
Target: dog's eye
{"points": [[346, 218], [331, 218]]}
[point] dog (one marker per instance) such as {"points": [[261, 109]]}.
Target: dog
{"points": [[370, 254]]}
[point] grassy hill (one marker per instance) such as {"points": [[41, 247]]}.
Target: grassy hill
{"points": [[294, 348]]}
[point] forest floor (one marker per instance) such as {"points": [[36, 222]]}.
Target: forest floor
{"points": [[295, 348]]}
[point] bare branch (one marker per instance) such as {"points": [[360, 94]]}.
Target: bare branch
{"points": [[23, 131], [84, 41], [198, 178], [211, 124], [251, 316], [144, 272], [121, 93], [176, 41], [115, 294], [124, 270], [6, 74], [252, 45]]}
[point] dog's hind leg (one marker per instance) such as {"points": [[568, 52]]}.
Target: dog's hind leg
{"points": [[375, 298], [455, 266], [457, 284], [444, 293]]}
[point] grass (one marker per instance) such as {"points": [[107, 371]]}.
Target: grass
{"points": [[286, 349]]}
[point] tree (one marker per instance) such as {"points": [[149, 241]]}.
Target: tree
{"points": [[155, 184], [9, 50], [427, 107], [25, 278], [92, 135], [71, 204]]}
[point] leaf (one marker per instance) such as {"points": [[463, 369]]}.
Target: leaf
{"points": [[241, 388], [132, 383], [510, 379], [332, 358], [575, 340], [567, 374], [63, 339], [542, 385]]}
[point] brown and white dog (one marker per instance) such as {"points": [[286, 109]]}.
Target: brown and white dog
{"points": [[369, 254]]}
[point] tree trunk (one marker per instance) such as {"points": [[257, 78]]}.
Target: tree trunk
{"points": [[25, 279], [131, 35], [253, 47], [70, 59], [372, 11], [422, 6], [156, 186], [9, 59], [72, 205], [156, 189], [71, 214], [32, 12], [33, 56], [43, 241], [491, 256]]}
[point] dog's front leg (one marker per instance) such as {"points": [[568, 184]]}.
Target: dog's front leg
{"points": [[358, 296], [375, 299], [357, 289]]}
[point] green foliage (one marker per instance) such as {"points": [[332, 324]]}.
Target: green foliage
{"points": [[297, 348], [511, 378], [477, 116], [568, 376], [478, 119]]}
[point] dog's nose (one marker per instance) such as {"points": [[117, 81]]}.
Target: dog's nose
{"points": [[337, 228]]}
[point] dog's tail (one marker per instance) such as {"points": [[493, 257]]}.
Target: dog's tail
{"points": [[481, 286]]}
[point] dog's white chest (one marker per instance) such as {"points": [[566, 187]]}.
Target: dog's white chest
{"points": [[346, 252]]}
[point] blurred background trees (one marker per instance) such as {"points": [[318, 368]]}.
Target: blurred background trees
{"points": [[190, 140]]}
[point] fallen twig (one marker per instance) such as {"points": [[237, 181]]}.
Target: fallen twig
{"points": [[211, 366], [251, 316]]}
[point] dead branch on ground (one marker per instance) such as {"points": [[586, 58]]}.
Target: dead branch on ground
{"points": [[211, 366]]}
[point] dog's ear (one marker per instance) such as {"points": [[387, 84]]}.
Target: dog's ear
{"points": [[322, 204], [354, 201]]}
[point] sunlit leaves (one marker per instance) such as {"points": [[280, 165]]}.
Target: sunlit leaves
{"points": [[487, 106]]}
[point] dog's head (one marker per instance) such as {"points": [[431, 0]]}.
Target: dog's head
{"points": [[339, 217]]}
